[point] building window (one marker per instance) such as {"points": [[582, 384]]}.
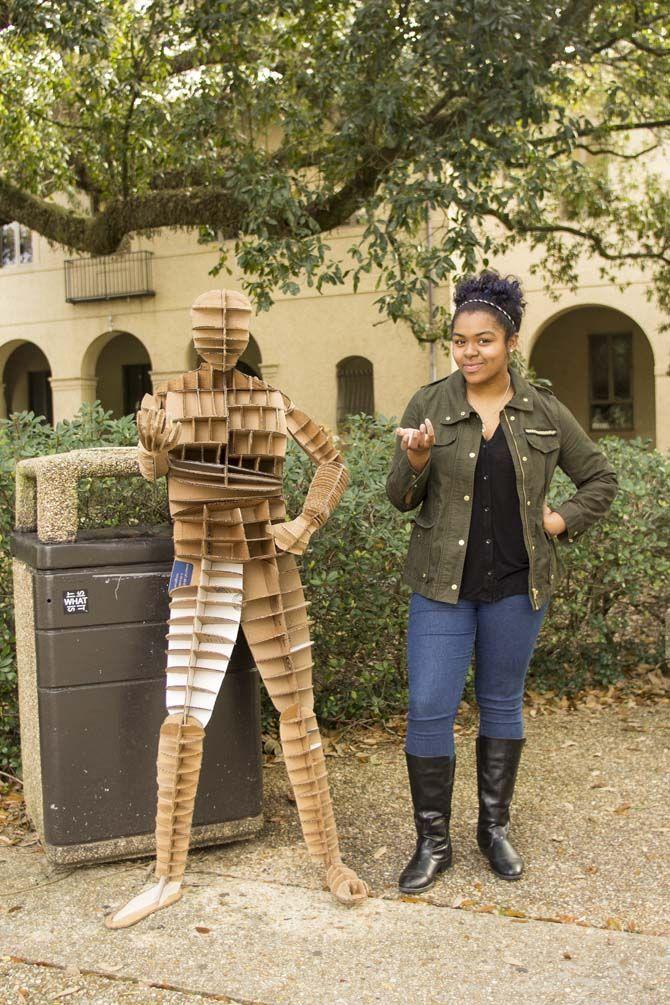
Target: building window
{"points": [[16, 245], [355, 387], [136, 383], [611, 382]]}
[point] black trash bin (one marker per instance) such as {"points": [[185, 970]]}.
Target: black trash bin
{"points": [[91, 625]]}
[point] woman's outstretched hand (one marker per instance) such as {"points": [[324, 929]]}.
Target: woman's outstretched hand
{"points": [[417, 443]]}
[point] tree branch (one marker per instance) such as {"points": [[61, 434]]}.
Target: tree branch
{"points": [[595, 151], [101, 234], [590, 236]]}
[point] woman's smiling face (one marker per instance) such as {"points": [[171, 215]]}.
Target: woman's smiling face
{"points": [[479, 347]]}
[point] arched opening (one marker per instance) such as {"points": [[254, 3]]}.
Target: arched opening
{"points": [[249, 362], [355, 387], [26, 380], [601, 366], [122, 372]]}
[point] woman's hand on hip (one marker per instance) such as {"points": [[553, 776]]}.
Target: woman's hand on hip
{"points": [[552, 522], [417, 443]]}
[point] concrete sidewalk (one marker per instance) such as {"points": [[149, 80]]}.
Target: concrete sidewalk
{"points": [[588, 923]]}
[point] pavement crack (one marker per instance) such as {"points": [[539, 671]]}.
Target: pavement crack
{"points": [[127, 979]]}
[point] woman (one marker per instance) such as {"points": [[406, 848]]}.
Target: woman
{"points": [[478, 450]]}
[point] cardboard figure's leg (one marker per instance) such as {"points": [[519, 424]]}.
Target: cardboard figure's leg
{"points": [[274, 620], [204, 622]]}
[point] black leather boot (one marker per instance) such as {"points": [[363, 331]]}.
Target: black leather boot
{"points": [[431, 780], [497, 765]]}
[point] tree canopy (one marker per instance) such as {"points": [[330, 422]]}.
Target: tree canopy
{"points": [[269, 124]]}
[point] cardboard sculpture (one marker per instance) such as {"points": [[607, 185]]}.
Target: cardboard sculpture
{"points": [[220, 437]]}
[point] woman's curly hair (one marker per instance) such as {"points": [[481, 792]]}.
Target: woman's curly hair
{"points": [[490, 286]]}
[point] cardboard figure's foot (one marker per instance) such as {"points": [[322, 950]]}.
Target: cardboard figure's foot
{"points": [[160, 895], [345, 885]]}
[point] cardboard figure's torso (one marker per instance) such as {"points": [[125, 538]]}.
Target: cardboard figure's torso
{"points": [[225, 474]]}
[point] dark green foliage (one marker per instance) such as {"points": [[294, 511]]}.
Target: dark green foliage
{"points": [[271, 124], [607, 616], [610, 611], [103, 502], [352, 577]]}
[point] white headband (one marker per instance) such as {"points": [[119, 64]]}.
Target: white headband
{"points": [[489, 303]]}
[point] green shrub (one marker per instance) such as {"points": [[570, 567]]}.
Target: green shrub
{"points": [[607, 615], [352, 577], [103, 502], [609, 612]]}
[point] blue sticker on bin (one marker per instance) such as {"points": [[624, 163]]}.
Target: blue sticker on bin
{"points": [[181, 575]]}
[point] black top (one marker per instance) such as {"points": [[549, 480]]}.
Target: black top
{"points": [[496, 560]]}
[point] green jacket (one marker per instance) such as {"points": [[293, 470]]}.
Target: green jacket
{"points": [[541, 433]]}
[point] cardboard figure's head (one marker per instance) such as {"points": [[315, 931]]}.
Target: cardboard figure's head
{"points": [[220, 322]]}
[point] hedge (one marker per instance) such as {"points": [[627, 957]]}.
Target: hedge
{"points": [[607, 615]]}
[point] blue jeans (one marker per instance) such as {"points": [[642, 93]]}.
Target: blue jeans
{"points": [[440, 640]]}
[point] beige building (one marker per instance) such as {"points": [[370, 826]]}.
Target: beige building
{"points": [[73, 330]]}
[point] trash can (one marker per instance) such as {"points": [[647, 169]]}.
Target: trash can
{"points": [[91, 619]]}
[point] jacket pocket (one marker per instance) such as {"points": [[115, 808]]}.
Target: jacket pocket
{"points": [[556, 567], [418, 555], [544, 440], [423, 520], [444, 436], [542, 454]]}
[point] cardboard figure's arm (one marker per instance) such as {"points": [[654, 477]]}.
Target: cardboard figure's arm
{"points": [[328, 484], [157, 436]]}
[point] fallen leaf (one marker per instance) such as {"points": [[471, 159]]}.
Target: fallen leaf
{"points": [[623, 808], [567, 956], [512, 912], [380, 852], [201, 930], [463, 902]]}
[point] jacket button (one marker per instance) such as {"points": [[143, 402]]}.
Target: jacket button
{"points": [[447, 417], [527, 502], [525, 399], [512, 417], [423, 575], [471, 454], [462, 413], [461, 542], [454, 586], [467, 498], [524, 458]]}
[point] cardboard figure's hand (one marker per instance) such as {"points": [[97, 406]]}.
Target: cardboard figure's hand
{"points": [[293, 535], [157, 435]]}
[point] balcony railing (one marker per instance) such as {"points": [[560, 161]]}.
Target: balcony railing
{"points": [[108, 277]]}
